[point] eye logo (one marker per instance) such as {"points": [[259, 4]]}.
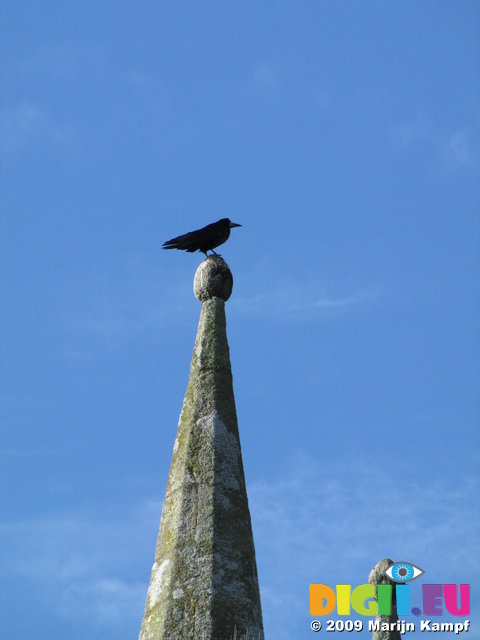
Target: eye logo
{"points": [[403, 572], [378, 599]]}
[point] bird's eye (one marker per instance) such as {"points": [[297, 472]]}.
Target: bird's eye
{"points": [[403, 572]]}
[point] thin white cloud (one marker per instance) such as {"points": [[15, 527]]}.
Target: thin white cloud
{"points": [[38, 451], [359, 297], [415, 132], [323, 98], [331, 522], [458, 150], [62, 61], [107, 600], [78, 563], [360, 502], [455, 149], [264, 76], [128, 302], [320, 522], [292, 300], [68, 62], [25, 124]]}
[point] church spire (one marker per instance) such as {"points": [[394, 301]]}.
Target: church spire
{"points": [[390, 622], [204, 583]]}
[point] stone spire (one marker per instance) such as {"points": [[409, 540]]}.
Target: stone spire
{"points": [[377, 576], [204, 583]]}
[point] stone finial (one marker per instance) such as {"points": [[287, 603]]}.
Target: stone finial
{"points": [[387, 631], [213, 279]]}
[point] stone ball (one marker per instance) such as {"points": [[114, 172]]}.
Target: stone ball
{"points": [[213, 279]]}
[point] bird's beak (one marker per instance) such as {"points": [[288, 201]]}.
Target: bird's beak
{"points": [[234, 224]]}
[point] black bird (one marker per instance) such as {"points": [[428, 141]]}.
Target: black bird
{"points": [[203, 239]]}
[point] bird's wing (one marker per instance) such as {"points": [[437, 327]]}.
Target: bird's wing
{"points": [[184, 241], [193, 240]]}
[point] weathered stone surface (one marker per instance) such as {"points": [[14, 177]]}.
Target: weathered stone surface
{"points": [[204, 581], [213, 279], [377, 576]]}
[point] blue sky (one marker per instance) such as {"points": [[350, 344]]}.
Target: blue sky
{"points": [[344, 137]]}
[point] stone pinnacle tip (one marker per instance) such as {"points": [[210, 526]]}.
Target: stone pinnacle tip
{"points": [[213, 279]]}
